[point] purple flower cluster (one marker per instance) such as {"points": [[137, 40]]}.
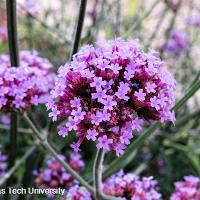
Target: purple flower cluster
{"points": [[109, 91], [194, 19], [188, 189], [78, 193], [3, 34], [3, 164], [129, 186], [177, 43], [26, 85], [123, 186], [55, 176]]}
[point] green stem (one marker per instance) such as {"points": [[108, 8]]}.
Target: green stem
{"points": [[43, 141], [97, 176], [192, 90], [14, 58], [97, 173], [33, 127], [79, 27], [20, 130], [50, 149], [12, 32], [13, 140], [196, 78], [131, 150], [140, 169]]}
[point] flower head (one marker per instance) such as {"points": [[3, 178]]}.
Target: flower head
{"points": [[188, 189], [177, 43], [55, 176], [130, 186], [124, 186], [108, 92], [26, 85], [78, 193]]}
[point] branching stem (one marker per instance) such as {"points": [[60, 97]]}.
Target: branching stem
{"points": [[43, 141], [97, 176]]}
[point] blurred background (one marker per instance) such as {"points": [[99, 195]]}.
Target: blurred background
{"points": [[170, 27]]}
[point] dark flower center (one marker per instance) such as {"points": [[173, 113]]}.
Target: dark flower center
{"points": [[135, 86]]}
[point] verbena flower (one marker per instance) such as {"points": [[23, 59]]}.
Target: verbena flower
{"points": [[78, 193], [3, 164], [188, 189], [194, 19], [26, 85], [3, 34], [110, 91], [131, 187], [177, 43], [55, 176]]}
